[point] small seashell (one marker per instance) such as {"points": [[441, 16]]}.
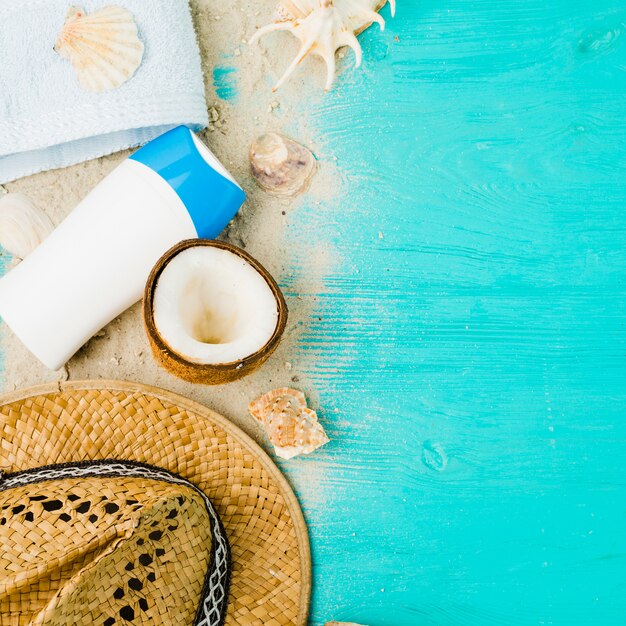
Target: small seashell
{"points": [[324, 26], [22, 225], [342, 624], [292, 428], [103, 47], [281, 165]]}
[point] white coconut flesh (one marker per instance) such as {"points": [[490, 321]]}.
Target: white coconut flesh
{"points": [[210, 306]]}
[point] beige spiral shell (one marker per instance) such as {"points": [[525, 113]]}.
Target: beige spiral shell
{"points": [[292, 428]]}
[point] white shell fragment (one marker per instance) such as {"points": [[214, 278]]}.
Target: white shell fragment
{"points": [[342, 624], [324, 26], [103, 47], [292, 428], [281, 165], [23, 226]]}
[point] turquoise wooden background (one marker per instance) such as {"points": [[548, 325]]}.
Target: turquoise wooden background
{"points": [[477, 352]]}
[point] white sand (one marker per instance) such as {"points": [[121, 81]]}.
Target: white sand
{"points": [[264, 226]]}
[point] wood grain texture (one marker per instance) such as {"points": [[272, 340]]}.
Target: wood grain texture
{"points": [[472, 329], [469, 340]]}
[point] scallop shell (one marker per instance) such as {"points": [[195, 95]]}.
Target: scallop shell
{"points": [[103, 47], [324, 26], [292, 428], [23, 226], [281, 165]]}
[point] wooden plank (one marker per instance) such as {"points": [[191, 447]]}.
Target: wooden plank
{"points": [[472, 331], [467, 339]]}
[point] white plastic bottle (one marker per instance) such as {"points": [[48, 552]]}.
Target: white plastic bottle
{"points": [[96, 263]]}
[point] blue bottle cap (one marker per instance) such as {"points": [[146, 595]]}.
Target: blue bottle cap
{"points": [[207, 190]]}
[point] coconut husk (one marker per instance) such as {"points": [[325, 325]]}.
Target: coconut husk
{"points": [[209, 374]]}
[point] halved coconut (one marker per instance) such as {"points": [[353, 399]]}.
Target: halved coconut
{"points": [[213, 314]]}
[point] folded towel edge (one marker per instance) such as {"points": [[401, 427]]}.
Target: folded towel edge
{"points": [[156, 109], [16, 166]]}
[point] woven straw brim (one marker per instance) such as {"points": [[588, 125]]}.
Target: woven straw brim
{"points": [[81, 421]]}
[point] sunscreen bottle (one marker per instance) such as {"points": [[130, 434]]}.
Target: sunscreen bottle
{"points": [[96, 263]]}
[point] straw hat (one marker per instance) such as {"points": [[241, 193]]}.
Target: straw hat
{"points": [[125, 504]]}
